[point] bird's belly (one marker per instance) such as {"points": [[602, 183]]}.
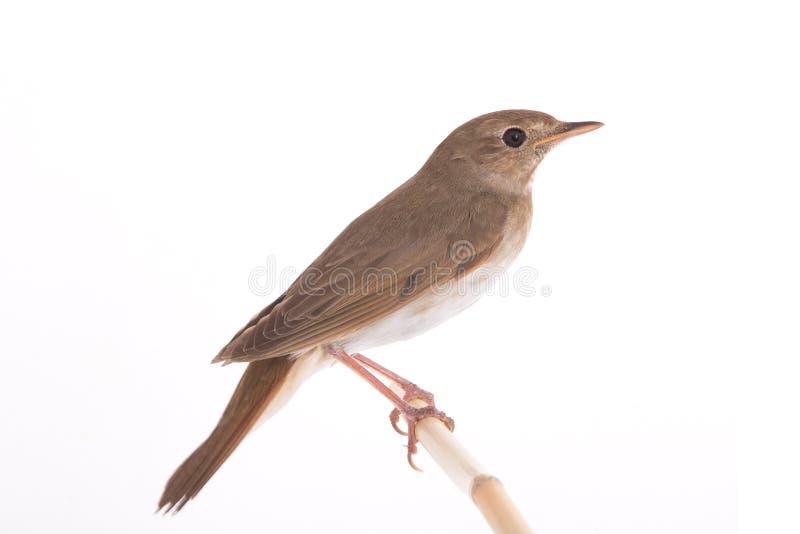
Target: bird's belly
{"points": [[434, 307], [413, 319]]}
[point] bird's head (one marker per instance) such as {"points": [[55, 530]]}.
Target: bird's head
{"points": [[501, 150]]}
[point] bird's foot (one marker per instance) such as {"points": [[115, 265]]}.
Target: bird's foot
{"points": [[411, 392], [413, 415]]}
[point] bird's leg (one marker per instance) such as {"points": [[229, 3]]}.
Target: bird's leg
{"points": [[412, 414], [411, 391]]}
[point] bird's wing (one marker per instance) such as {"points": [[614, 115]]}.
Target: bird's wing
{"points": [[387, 257]]}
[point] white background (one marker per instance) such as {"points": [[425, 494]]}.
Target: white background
{"points": [[153, 154]]}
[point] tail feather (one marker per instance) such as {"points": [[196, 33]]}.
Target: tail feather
{"points": [[258, 386]]}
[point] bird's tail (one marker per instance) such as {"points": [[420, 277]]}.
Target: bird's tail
{"points": [[265, 383]]}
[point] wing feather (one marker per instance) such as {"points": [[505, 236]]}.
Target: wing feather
{"points": [[338, 295]]}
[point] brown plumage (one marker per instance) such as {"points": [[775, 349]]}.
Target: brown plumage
{"points": [[468, 207], [313, 312], [258, 386], [455, 197]]}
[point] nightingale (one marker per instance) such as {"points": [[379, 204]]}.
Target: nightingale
{"points": [[419, 256]]}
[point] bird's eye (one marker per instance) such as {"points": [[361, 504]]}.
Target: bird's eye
{"points": [[514, 137]]}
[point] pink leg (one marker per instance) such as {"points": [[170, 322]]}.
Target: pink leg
{"points": [[411, 413], [411, 391]]}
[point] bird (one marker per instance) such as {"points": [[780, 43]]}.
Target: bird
{"points": [[419, 256]]}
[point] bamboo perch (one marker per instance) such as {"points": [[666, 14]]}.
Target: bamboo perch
{"points": [[485, 490]]}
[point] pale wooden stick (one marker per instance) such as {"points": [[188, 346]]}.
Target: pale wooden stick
{"points": [[486, 491]]}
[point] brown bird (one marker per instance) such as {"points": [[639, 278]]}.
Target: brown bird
{"points": [[419, 256]]}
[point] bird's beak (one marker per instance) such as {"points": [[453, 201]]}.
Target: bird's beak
{"points": [[571, 129]]}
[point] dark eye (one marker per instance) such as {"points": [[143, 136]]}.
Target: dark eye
{"points": [[514, 137]]}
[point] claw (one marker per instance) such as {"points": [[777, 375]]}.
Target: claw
{"points": [[412, 445], [394, 417], [413, 415], [411, 452]]}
